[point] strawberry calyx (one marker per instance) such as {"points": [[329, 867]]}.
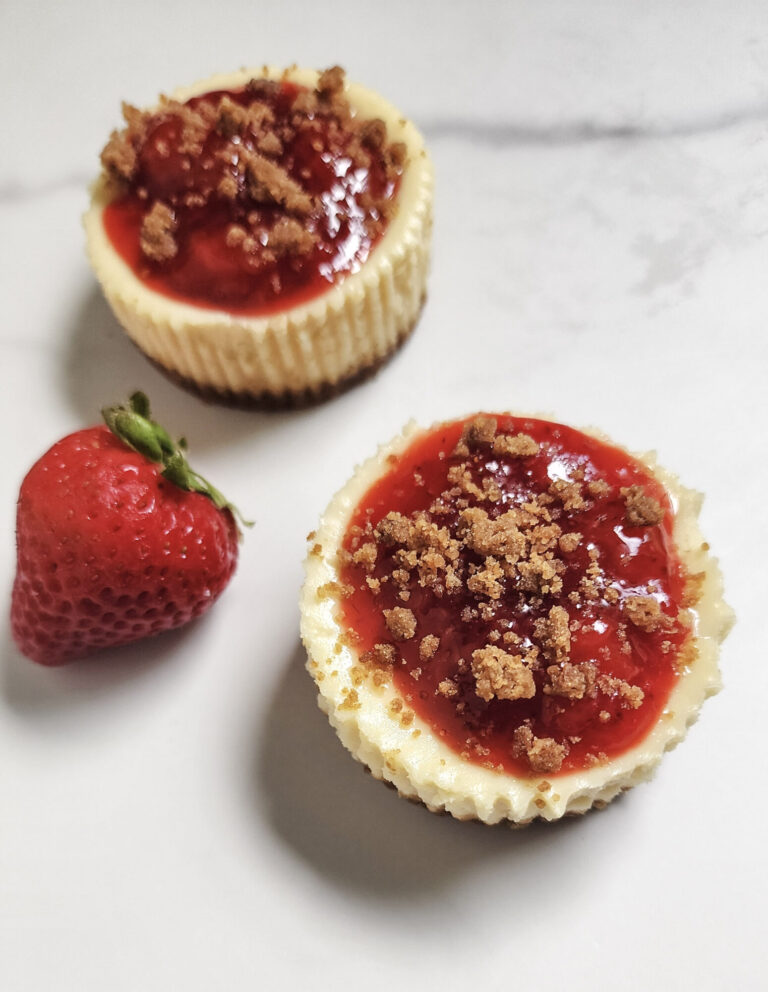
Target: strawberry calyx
{"points": [[133, 425]]}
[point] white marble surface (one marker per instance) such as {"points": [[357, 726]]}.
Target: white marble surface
{"points": [[178, 814]]}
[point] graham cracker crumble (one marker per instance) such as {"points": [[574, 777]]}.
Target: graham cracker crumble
{"points": [[642, 510], [598, 488], [645, 612], [478, 433], [351, 701], [554, 634], [401, 623], [251, 166], [366, 556], [571, 681], [632, 694], [503, 675], [428, 647], [157, 233], [380, 654], [693, 586], [544, 754], [569, 542], [515, 446]]}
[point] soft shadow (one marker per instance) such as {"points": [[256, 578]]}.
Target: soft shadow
{"points": [[349, 827], [103, 366], [30, 689]]}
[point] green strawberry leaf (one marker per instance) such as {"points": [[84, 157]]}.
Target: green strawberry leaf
{"points": [[132, 423]]}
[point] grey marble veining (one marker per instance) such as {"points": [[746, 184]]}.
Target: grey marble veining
{"points": [[476, 132], [182, 816], [504, 134]]}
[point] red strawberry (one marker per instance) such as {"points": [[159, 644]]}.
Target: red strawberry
{"points": [[117, 540]]}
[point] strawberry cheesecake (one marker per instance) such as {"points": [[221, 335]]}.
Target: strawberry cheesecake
{"points": [[510, 619], [264, 236]]}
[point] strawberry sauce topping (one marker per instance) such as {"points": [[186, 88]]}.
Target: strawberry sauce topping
{"points": [[520, 582], [252, 200]]}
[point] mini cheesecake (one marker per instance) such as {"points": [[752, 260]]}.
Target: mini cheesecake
{"points": [[510, 619], [264, 236]]}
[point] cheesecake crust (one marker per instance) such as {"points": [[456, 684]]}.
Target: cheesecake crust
{"points": [[288, 400]]}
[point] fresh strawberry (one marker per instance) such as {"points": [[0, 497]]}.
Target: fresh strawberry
{"points": [[118, 539]]}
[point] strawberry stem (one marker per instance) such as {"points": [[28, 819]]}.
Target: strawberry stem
{"points": [[134, 426]]}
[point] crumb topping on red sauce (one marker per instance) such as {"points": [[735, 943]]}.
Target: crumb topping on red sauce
{"points": [[518, 582], [250, 200]]}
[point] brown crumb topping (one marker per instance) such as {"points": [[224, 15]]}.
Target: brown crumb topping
{"points": [[500, 536], [486, 581], [644, 612], [119, 156], [380, 655], [252, 165], [501, 675], [641, 510], [366, 556], [401, 623], [633, 695], [477, 433], [233, 118], [544, 754], [694, 583], [515, 446], [570, 493], [428, 647], [331, 82], [553, 633], [351, 701], [569, 542], [269, 183], [598, 488], [571, 681], [288, 237], [157, 233]]}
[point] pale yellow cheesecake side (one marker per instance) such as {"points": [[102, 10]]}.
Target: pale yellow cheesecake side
{"points": [[406, 752], [307, 350]]}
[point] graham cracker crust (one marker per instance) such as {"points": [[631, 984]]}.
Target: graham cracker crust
{"points": [[288, 400]]}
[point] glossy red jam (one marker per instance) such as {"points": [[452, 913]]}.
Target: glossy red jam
{"points": [[634, 560], [207, 270]]}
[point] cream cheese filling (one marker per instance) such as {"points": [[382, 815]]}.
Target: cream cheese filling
{"points": [[354, 325], [413, 758]]}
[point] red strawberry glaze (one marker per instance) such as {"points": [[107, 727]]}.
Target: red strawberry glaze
{"points": [[634, 559], [210, 273], [109, 551]]}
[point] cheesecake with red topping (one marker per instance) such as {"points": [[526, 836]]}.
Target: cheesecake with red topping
{"points": [[508, 618], [264, 236]]}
